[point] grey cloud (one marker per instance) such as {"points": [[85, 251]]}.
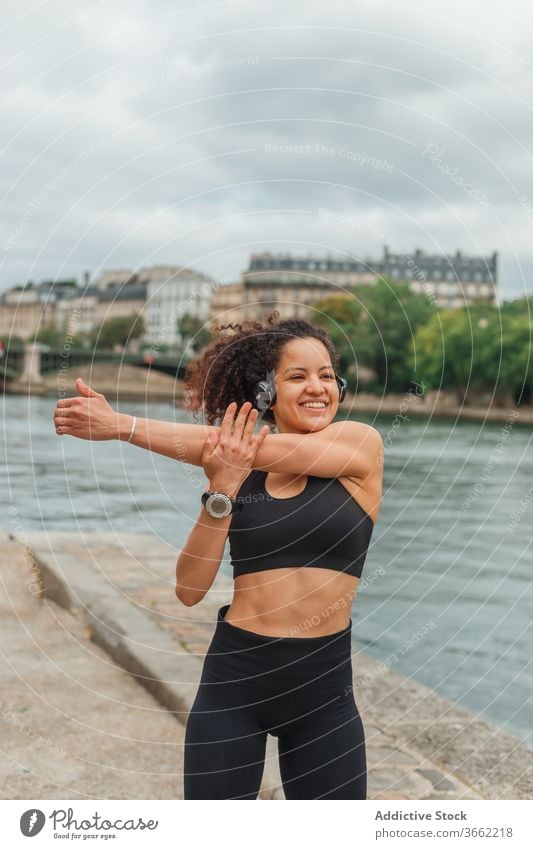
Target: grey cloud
{"points": [[366, 89]]}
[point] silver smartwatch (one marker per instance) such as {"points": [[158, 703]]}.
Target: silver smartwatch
{"points": [[219, 505]]}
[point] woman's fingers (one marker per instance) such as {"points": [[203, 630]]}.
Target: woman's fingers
{"points": [[227, 422], [249, 424], [243, 415], [242, 427]]}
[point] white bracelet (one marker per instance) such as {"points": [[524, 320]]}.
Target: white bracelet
{"points": [[134, 422]]}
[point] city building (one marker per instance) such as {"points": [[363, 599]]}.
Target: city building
{"points": [[26, 309], [173, 293], [120, 301], [161, 294], [227, 304], [452, 281], [290, 284]]}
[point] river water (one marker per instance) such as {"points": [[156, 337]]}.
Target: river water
{"points": [[446, 595]]}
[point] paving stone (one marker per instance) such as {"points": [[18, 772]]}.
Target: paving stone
{"points": [[389, 796], [386, 756], [374, 736], [439, 781], [395, 779]]}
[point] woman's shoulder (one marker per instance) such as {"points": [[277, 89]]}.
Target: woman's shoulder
{"points": [[355, 429]]}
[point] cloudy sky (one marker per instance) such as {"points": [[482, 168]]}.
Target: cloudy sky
{"points": [[137, 133]]}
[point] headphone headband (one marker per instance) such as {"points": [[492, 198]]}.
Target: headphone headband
{"points": [[265, 391]]}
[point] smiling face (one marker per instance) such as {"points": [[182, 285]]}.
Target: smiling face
{"points": [[307, 395]]}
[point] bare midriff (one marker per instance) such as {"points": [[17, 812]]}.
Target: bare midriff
{"points": [[293, 601]]}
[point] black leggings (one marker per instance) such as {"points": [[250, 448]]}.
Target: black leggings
{"points": [[298, 689]]}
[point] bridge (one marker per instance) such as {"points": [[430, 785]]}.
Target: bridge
{"points": [[30, 362]]}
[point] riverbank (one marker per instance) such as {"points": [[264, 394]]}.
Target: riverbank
{"points": [[436, 404], [128, 383], [116, 382], [420, 745], [74, 724]]}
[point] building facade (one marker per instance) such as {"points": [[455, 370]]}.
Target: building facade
{"points": [[290, 284], [452, 281], [227, 304], [24, 310], [161, 294], [171, 294]]}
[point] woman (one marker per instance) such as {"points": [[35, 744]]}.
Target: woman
{"points": [[299, 506]]}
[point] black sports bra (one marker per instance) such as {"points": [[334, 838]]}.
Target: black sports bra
{"points": [[323, 526]]}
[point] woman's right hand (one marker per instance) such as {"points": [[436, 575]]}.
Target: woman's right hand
{"points": [[229, 453]]}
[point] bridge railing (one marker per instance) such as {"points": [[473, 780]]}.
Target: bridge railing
{"points": [[12, 363]]}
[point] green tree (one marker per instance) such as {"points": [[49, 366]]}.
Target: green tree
{"points": [[194, 330], [518, 307], [379, 332], [118, 330], [339, 316], [49, 334], [455, 349], [510, 355], [341, 309]]}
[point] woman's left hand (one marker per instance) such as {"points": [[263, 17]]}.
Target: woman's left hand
{"points": [[228, 455]]}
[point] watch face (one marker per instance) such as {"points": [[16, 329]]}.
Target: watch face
{"points": [[218, 506]]}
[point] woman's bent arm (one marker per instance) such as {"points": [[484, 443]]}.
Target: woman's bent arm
{"points": [[345, 448], [199, 560]]}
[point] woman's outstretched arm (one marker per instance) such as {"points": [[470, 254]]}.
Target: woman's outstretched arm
{"points": [[90, 416], [184, 442], [352, 449]]}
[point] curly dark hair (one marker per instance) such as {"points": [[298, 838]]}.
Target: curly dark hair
{"points": [[230, 366]]}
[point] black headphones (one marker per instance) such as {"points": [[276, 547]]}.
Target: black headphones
{"points": [[265, 391]]}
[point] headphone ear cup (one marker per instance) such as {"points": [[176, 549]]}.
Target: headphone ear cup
{"points": [[265, 394], [342, 384]]}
